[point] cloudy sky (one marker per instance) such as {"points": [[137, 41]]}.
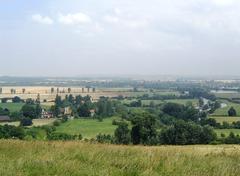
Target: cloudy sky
{"points": [[119, 37]]}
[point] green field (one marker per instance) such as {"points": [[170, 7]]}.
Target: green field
{"points": [[227, 95], [36, 122], [157, 102], [12, 107], [225, 119], [227, 131], [141, 93], [24, 158], [89, 128], [224, 111], [183, 101]]}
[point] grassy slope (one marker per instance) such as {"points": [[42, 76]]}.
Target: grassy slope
{"points": [[36, 122], [225, 119], [12, 106], [224, 111], [89, 128], [227, 131], [76, 158]]}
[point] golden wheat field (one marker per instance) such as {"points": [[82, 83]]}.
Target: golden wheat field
{"points": [[46, 94], [78, 158]]}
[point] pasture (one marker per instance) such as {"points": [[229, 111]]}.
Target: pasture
{"points": [[229, 95], [227, 131], [78, 158], [159, 102], [36, 122], [224, 111], [12, 107], [225, 119], [88, 128]]}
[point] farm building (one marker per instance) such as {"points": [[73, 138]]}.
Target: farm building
{"points": [[4, 118], [46, 115]]}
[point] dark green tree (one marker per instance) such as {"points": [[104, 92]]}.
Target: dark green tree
{"points": [[232, 112], [122, 134]]}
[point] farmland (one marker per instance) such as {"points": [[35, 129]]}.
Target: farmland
{"points": [[227, 131], [36, 122], [225, 119], [12, 106], [157, 102], [88, 128], [77, 158], [224, 111]]}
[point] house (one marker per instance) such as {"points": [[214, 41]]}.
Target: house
{"points": [[4, 118], [46, 115], [92, 112], [66, 110]]}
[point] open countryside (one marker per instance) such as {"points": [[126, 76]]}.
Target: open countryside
{"points": [[119, 88]]}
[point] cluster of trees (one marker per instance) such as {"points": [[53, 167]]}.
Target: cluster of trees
{"points": [[184, 133], [183, 112], [11, 132], [82, 106], [144, 132]]}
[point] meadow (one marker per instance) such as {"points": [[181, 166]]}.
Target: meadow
{"points": [[36, 122], [157, 102], [88, 128], [228, 95], [224, 111], [226, 132], [225, 119], [12, 107], [27, 158]]}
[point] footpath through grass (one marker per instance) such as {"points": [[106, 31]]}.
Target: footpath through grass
{"points": [[88, 128], [77, 158]]}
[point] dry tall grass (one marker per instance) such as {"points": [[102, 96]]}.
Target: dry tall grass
{"points": [[76, 158]]}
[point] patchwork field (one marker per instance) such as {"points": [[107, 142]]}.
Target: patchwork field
{"points": [[88, 128], [24, 158]]}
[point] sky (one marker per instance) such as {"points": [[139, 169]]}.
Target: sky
{"points": [[119, 37]]}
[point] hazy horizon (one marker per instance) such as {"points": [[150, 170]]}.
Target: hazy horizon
{"points": [[59, 38]]}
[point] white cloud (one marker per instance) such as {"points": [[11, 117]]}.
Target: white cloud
{"points": [[224, 2], [42, 19], [74, 19], [111, 19]]}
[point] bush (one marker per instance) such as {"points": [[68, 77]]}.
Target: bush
{"points": [[11, 132], [26, 122], [232, 112], [63, 136], [184, 133], [56, 123], [103, 138], [16, 100]]}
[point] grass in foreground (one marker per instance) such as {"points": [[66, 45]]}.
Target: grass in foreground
{"points": [[76, 158], [88, 128]]}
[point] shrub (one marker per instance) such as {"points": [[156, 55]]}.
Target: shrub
{"points": [[26, 122], [62, 136], [56, 123]]}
